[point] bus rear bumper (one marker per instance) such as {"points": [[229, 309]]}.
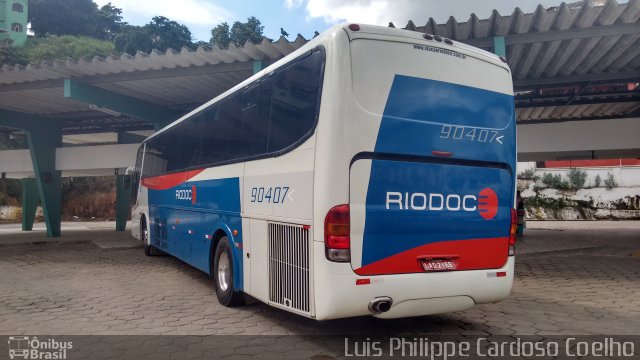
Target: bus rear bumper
{"points": [[418, 307], [341, 293]]}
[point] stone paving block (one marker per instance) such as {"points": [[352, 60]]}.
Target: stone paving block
{"points": [[77, 288]]}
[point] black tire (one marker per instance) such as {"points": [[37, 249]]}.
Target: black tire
{"points": [[223, 275], [149, 249]]}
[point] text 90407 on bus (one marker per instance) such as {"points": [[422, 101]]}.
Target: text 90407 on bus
{"points": [[370, 172]]}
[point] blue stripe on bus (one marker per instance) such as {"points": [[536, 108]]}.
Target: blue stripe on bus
{"points": [[191, 224], [412, 124]]}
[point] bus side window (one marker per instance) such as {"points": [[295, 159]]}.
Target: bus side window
{"points": [[190, 130], [136, 175], [155, 162], [294, 101], [220, 130], [255, 120]]}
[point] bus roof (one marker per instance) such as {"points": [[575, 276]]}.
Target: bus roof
{"points": [[364, 32]]}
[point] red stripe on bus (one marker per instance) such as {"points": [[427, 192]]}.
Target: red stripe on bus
{"points": [[472, 254], [164, 182]]}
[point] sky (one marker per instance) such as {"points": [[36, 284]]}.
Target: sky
{"points": [[306, 16]]}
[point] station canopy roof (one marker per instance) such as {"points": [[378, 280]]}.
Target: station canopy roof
{"points": [[571, 62]]}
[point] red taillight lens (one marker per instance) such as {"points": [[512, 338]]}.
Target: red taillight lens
{"points": [[512, 232], [354, 27], [336, 234]]}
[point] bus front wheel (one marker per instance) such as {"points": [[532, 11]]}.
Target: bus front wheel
{"points": [[223, 274]]}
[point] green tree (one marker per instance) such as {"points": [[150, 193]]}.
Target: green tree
{"points": [[167, 34], [220, 36], [74, 17], [11, 55], [238, 34], [62, 17], [109, 22], [161, 34], [133, 39], [577, 178], [249, 31], [13, 142]]}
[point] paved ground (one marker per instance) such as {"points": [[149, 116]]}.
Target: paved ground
{"points": [[572, 278]]}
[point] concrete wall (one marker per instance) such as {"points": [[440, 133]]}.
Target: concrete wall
{"points": [[614, 138], [624, 176], [590, 202], [98, 160]]}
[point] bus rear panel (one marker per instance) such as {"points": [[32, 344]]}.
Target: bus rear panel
{"points": [[431, 179]]}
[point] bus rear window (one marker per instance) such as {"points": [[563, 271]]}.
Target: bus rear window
{"points": [[423, 80]]}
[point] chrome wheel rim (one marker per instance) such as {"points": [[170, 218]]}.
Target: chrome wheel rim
{"points": [[224, 273], [145, 236]]}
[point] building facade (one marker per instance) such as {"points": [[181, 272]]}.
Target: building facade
{"points": [[13, 21]]}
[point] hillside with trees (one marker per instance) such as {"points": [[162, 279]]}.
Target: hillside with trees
{"points": [[79, 28]]}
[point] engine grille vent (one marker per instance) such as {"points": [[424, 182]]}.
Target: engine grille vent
{"points": [[289, 266]]}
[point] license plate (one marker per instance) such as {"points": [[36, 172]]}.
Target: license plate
{"points": [[438, 265]]}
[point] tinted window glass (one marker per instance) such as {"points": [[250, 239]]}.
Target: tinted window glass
{"points": [[220, 126], [256, 102], [188, 135], [136, 175], [294, 101], [155, 162], [264, 118]]}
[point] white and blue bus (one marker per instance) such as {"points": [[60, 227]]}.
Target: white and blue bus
{"points": [[370, 172]]}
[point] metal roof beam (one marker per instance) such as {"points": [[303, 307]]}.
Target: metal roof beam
{"points": [[172, 73], [558, 35], [627, 76], [535, 104], [80, 91], [571, 119], [164, 73]]}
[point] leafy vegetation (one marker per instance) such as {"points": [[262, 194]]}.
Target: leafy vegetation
{"points": [[597, 181], [545, 202], [89, 197], [238, 34], [527, 174], [160, 34], [577, 178], [10, 191], [555, 181], [610, 181], [76, 28], [12, 142], [61, 47], [74, 17]]}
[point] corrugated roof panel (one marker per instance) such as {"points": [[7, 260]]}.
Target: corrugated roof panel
{"points": [[529, 60], [598, 54]]}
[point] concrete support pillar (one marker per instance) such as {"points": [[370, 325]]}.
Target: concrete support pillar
{"points": [[43, 141], [257, 66], [499, 46], [44, 135], [123, 201], [29, 203]]}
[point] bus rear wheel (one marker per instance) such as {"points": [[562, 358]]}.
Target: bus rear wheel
{"points": [[223, 275], [149, 249]]}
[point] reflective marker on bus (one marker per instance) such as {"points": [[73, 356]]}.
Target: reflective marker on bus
{"points": [[370, 172]]}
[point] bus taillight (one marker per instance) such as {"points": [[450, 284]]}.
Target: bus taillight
{"points": [[512, 232], [336, 234]]}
